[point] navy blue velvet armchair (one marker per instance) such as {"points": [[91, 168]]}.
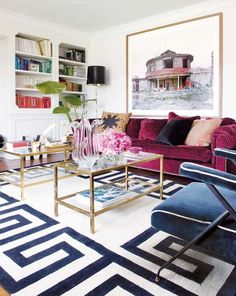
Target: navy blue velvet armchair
{"points": [[202, 213]]}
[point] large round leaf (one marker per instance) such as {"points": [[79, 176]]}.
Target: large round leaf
{"points": [[61, 110], [50, 87], [73, 100]]}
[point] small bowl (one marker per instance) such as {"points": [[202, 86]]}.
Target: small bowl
{"points": [[135, 150]]}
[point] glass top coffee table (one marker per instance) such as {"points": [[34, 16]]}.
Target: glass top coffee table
{"points": [[110, 195], [23, 153]]}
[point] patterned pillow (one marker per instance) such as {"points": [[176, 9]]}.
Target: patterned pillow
{"points": [[117, 121]]}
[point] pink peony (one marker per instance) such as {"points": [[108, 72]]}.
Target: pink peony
{"points": [[113, 141]]}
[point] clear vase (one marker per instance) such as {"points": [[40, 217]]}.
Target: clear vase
{"points": [[85, 143]]}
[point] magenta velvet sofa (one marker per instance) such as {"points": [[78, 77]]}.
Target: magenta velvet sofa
{"points": [[144, 132]]}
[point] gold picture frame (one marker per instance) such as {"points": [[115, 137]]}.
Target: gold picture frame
{"points": [[176, 67]]}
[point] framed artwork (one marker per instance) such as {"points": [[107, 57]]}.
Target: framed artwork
{"points": [[176, 67]]}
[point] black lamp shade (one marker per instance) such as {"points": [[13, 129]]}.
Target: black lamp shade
{"points": [[96, 75]]}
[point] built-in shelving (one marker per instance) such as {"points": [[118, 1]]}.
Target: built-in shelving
{"points": [[72, 69], [72, 77], [27, 89], [33, 73], [31, 55], [33, 64], [74, 92], [72, 63]]}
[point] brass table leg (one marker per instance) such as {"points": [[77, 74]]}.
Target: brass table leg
{"points": [[161, 178], [55, 176], [91, 186], [126, 178], [22, 173]]}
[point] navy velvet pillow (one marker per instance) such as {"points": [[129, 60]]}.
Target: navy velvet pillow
{"points": [[175, 132]]}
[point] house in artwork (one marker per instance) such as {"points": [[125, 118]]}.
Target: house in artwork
{"points": [[169, 71]]}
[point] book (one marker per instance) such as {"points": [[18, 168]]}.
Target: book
{"points": [[104, 196], [16, 144]]}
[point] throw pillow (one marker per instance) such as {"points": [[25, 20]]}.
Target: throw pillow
{"points": [[173, 115], [175, 132], [133, 127], [201, 131], [117, 121], [150, 128]]}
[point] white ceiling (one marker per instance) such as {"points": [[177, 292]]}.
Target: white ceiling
{"points": [[93, 15]]}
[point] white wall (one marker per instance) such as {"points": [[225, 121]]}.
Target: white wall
{"points": [[108, 48], [16, 122]]}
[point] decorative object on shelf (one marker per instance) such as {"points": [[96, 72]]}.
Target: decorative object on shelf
{"points": [[85, 147], [96, 77], [44, 137], [112, 144]]}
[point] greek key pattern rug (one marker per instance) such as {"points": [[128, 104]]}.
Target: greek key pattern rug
{"points": [[40, 256]]}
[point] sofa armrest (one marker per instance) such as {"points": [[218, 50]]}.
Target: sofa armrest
{"points": [[222, 137]]}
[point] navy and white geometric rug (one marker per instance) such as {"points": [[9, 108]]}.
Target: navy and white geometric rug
{"points": [[41, 256]]}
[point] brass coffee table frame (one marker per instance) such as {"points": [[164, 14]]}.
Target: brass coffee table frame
{"points": [[74, 170], [22, 155]]}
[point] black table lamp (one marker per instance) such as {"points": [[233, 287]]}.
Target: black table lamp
{"points": [[96, 77]]}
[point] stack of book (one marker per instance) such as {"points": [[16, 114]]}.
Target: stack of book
{"points": [[33, 65], [71, 86], [16, 144], [35, 47], [104, 196], [33, 102]]}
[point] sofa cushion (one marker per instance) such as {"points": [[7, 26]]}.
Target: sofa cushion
{"points": [[175, 132], [150, 128], [133, 127], [173, 115], [117, 121], [184, 152], [201, 132]]}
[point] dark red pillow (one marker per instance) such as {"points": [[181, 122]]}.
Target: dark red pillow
{"points": [[133, 127], [150, 128], [227, 121], [173, 115]]}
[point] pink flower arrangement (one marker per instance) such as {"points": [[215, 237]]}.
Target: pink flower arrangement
{"points": [[112, 141]]}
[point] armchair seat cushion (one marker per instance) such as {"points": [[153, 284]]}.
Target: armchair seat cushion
{"points": [[201, 154], [189, 211]]}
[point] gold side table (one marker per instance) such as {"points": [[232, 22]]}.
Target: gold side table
{"points": [[25, 152]]}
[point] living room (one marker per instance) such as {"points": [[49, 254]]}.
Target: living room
{"points": [[126, 253]]}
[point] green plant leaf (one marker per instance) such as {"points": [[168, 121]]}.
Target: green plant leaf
{"points": [[61, 110], [50, 87], [73, 100]]}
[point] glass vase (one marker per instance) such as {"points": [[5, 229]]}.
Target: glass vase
{"points": [[85, 143]]}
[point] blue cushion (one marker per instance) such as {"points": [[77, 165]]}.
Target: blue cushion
{"points": [[189, 211]]}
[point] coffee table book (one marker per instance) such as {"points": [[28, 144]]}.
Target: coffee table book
{"points": [[104, 196]]}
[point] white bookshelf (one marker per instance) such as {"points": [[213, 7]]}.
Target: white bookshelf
{"points": [[68, 77], [33, 56], [32, 52], [70, 61], [32, 73]]}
